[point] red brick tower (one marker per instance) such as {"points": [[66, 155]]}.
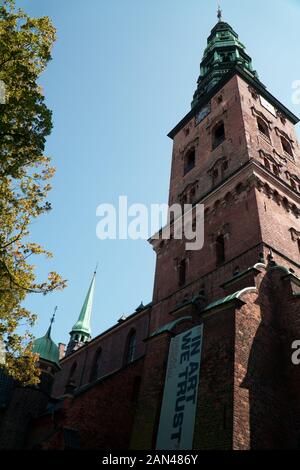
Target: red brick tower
{"points": [[237, 153]]}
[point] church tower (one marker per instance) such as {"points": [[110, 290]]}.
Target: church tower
{"points": [[236, 152]]}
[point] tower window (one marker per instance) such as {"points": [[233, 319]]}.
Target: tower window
{"points": [[220, 249], [96, 365], [218, 135], [286, 146], [189, 161], [263, 127], [182, 273], [130, 347]]}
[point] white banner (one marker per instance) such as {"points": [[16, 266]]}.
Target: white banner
{"points": [[178, 412]]}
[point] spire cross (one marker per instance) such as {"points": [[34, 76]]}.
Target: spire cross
{"points": [[219, 13]]}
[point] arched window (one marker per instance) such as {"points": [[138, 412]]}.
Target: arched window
{"points": [[220, 250], [218, 135], [182, 273], [286, 146], [96, 365], [263, 127], [130, 347], [189, 161]]}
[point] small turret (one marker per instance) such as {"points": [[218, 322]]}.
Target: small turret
{"points": [[48, 353]]}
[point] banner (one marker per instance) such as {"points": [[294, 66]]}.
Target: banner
{"points": [[178, 412]]}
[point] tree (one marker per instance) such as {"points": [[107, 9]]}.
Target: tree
{"points": [[25, 122]]}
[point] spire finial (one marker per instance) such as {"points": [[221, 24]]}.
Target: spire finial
{"points": [[48, 333], [96, 268], [219, 15], [53, 316]]}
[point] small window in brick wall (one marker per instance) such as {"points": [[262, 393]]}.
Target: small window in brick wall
{"points": [[189, 161], [263, 127], [218, 135], [286, 146], [130, 347]]}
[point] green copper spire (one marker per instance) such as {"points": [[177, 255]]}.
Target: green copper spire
{"points": [[81, 331], [224, 51], [45, 346]]}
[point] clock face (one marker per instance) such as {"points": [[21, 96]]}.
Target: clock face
{"points": [[202, 113]]}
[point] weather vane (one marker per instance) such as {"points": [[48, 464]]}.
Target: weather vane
{"points": [[219, 13]]}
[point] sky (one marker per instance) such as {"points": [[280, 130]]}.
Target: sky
{"points": [[122, 76]]}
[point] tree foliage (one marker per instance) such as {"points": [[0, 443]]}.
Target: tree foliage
{"points": [[25, 122]]}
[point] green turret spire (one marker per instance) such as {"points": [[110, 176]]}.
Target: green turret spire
{"points": [[81, 331], [45, 346], [224, 51]]}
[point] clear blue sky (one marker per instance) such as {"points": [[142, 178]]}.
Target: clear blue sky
{"points": [[123, 74]]}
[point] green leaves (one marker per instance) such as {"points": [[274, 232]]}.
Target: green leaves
{"points": [[25, 122]]}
